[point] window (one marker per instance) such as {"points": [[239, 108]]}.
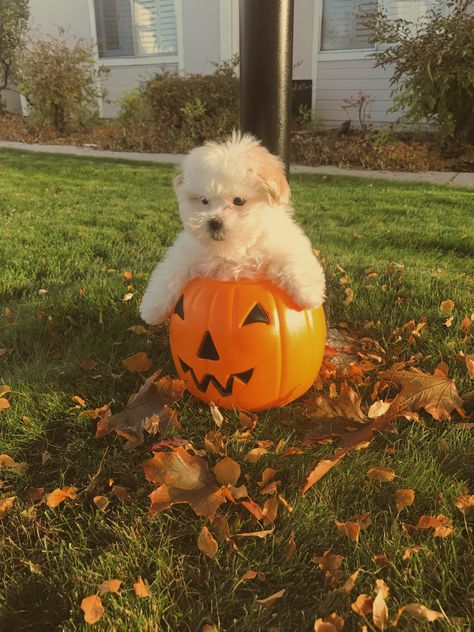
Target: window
{"points": [[127, 28], [342, 27]]}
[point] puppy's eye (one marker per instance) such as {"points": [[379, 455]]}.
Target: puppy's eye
{"points": [[238, 201], [204, 200]]}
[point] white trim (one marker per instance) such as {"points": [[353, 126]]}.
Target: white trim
{"points": [[95, 46], [225, 29], [178, 11], [317, 21], [235, 18], [112, 62], [345, 55]]}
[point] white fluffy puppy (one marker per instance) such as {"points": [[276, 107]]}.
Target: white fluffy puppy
{"points": [[234, 202]]}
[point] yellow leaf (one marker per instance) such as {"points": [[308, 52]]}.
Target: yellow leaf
{"points": [[254, 455], [137, 363], [381, 474], [4, 403], [110, 585], [404, 498], [92, 608], [227, 471], [57, 496], [206, 543], [378, 409], [446, 306], [140, 589], [379, 607], [216, 414], [9, 464], [349, 529], [465, 504], [363, 605], [269, 601], [101, 502], [5, 506]]}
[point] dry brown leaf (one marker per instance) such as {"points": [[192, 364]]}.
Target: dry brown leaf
{"points": [[254, 534], [249, 575], [269, 601], [379, 607], [141, 589], [321, 468], [153, 398], [449, 321], [465, 504], [446, 306], [138, 362], [209, 627], [328, 561], [110, 586], [290, 549], [214, 442], [253, 508], [6, 505], [206, 543], [254, 455], [184, 478], [248, 421], [216, 414], [465, 325], [10, 464], [383, 474], [436, 393], [227, 471], [363, 605], [378, 408], [349, 296], [349, 529], [59, 495], [404, 498], [78, 400], [419, 612], [382, 560], [469, 360], [441, 525], [4, 403], [270, 510], [128, 297], [409, 552], [92, 608], [101, 502], [333, 623], [122, 493], [349, 583]]}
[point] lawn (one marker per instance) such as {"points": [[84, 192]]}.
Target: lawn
{"points": [[70, 229]]}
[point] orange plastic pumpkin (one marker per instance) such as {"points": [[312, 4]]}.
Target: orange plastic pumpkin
{"points": [[245, 344]]}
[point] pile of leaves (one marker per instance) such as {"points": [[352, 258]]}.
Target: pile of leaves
{"points": [[364, 390]]}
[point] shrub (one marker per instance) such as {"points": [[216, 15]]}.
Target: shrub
{"points": [[60, 81], [170, 113], [433, 76], [14, 16]]}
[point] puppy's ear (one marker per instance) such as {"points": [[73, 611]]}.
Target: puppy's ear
{"points": [[178, 181], [271, 173]]}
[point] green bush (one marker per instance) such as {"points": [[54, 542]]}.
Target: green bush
{"points": [[60, 81], [433, 65], [14, 16], [170, 113]]}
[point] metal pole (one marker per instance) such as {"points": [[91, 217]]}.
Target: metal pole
{"points": [[266, 57]]}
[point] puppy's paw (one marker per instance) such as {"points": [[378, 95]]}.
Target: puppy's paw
{"points": [[308, 297], [154, 312]]}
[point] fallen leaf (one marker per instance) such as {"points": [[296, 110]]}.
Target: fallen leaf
{"points": [[290, 549], [10, 464], [101, 502], [379, 607], [128, 297], [254, 534], [248, 421], [320, 469], [328, 561], [209, 627], [269, 601], [214, 442], [465, 504], [449, 321], [227, 471], [254, 455], [349, 296], [349, 529], [140, 589], [253, 508], [270, 510], [5, 506], [378, 408], [89, 364], [184, 478], [249, 575], [404, 498], [122, 493], [437, 393], [110, 585], [349, 583], [93, 608], [409, 552], [138, 363], [153, 398], [446, 306], [78, 400], [216, 414], [4, 403], [381, 474], [34, 494], [382, 560], [59, 495], [465, 325], [333, 623], [419, 612], [206, 543], [469, 360], [363, 605], [441, 525], [127, 275]]}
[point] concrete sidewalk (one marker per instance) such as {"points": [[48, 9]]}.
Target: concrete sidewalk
{"points": [[434, 177]]}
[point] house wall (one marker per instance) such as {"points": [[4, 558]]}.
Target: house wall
{"points": [[303, 39], [201, 35]]}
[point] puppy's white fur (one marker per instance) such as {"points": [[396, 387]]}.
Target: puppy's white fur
{"points": [[258, 239]]}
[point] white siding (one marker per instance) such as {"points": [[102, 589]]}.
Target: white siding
{"points": [[201, 35], [303, 39], [72, 15], [121, 79]]}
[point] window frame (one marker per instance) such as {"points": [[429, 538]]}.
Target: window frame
{"points": [[142, 60]]}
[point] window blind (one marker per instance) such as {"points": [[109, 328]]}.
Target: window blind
{"points": [[342, 27], [114, 28], [155, 26]]}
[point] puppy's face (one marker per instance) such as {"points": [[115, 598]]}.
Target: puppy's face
{"points": [[226, 191]]}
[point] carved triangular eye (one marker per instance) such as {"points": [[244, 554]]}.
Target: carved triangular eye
{"points": [[179, 309], [207, 350], [256, 315]]}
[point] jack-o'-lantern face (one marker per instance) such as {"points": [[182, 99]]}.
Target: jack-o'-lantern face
{"points": [[245, 344]]}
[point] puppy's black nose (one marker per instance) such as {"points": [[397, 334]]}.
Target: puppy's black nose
{"points": [[215, 224]]}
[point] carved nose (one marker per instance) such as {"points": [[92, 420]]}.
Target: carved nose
{"points": [[215, 224], [207, 350]]}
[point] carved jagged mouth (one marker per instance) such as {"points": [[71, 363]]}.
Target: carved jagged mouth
{"points": [[226, 390]]}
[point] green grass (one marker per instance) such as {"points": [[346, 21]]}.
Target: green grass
{"points": [[72, 227]]}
